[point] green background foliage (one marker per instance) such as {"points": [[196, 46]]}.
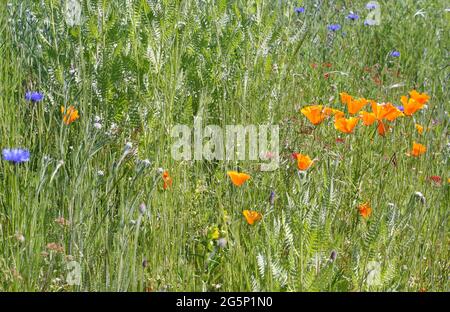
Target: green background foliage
{"points": [[145, 66]]}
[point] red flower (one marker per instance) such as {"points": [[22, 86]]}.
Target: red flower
{"points": [[436, 179]]}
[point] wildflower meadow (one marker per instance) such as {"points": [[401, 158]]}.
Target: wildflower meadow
{"points": [[213, 145]]}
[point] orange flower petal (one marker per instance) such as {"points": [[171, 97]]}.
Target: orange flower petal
{"points": [[418, 149], [355, 106], [314, 113], [420, 98], [238, 178], [69, 115], [367, 118], [365, 210], [345, 125], [252, 216], [303, 162]]}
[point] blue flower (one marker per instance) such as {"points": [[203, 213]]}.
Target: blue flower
{"points": [[299, 10], [16, 155], [371, 6], [400, 108], [33, 96], [395, 54], [334, 27], [352, 16]]}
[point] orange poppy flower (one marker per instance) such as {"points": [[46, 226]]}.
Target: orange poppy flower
{"points": [[303, 161], [345, 98], [355, 106], [379, 112], [328, 111], [367, 118], [390, 112], [167, 179], [314, 113], [421, 98], [69, 115], [418, 149], [345, 125], [382, 128], [238, 178], [419, 128], [365, 210], [410, 106], [252, 216]]}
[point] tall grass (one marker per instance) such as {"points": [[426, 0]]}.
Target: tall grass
{"points": [[144, 66]]}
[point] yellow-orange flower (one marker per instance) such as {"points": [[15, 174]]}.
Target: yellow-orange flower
{"points": [[410, 106], [420, 98], [379, 112], [328, 111], [390, 112], [69, 115], [345, 125], [355, 106], [238, 178], [382, 128], [418, 149], [314, 113], [252, 216], [303, 161], [167, 179], [346, 98], [419, 128], [365, 210], [367, 118]]}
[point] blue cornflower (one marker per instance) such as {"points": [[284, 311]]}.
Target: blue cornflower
{"points": [[395, 54], [16, 155], [299, 10], [33, 96], [352, 16], [371, 6], [400, 108], [334, 27]]}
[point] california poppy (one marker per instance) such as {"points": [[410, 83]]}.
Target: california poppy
{"points": [[365, 210], [167, 179], [69, 115], [345, 125], [367, 118], [390, 112], [410, 106], [252, 216], [303, 161], [345, 98], [418, 149], [328, 111], [382, 128], [314, 113], [421, 98], [419, 128], [355, 106], [238, 178], [379, 113]]}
